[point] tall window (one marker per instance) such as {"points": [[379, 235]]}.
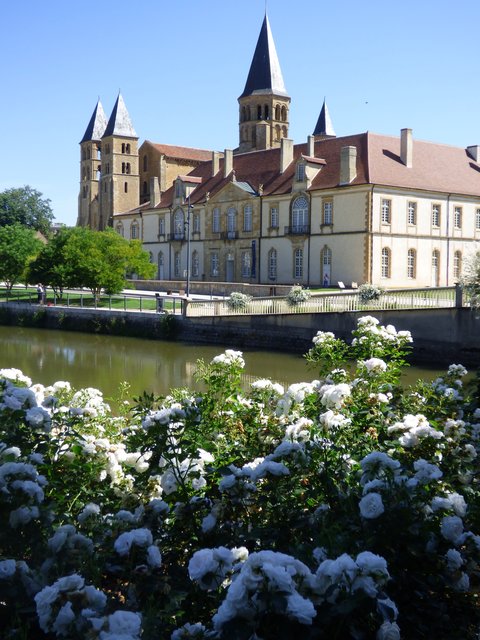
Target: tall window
{"points": [[145, 163], [435, 215], [411, 263], [328, 212], [176, 264], [300, 215], [134, 231], [457, 264], [196, 223], [161, 263], [272, 264], [119, 229], [246, 264], [195, 264], [457, 217], [126, 167], [178, 189], [178, 224], [231, 221], [386, 211], [247, 217], [161, 226], [214, 263], [274, 217], [125, 187], [477, 219], [386, 262], [298, 263], [412, 213], [216, 220], [326, 260], [436, 267]]}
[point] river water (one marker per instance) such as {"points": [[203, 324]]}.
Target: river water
{"points": [[104, 362]]}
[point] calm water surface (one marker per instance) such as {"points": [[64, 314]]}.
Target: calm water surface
{"points": [[104, 362]]}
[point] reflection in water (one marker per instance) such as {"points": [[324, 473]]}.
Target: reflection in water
{"points": [[154, 366]]}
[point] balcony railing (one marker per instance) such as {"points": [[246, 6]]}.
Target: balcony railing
{"points": [[299, 229], [229, 235]]}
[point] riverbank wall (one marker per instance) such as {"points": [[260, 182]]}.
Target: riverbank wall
{"points": [[441, 336]]}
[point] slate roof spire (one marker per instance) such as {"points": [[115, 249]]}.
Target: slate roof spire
{"points": [[265, 75], [96, 126], [324, 126], [119, 123]]}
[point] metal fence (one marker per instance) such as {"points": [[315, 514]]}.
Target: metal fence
{"points": [[442, 297]]}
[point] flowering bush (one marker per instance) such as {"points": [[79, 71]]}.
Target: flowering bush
{"points": [[238, 301], [296, 295], [342, 507], [369, 292]]}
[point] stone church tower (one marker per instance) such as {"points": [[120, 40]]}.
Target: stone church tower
{"points": [[119, 182], [264, 103], [90, 154]]}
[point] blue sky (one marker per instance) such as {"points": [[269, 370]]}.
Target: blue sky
{"points": [[181, 66]]}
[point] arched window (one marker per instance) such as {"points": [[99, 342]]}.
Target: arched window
{"points": [[435, 267], [300, 215], [284, 113], [134, 235], [145, 188], [119, 229], [216, 220], [176, 264], [386, 262], [284, 132], [411, 263], [195, 264], [266, 112], [457, 264], [178, 225], [84, 154], [326, 266], [161, 226], [278, 132], [298, 263], [272, 264], [277, 112], [145, 163], [259, 112]]}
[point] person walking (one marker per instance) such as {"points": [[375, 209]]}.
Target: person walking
{"points": [[40, 293]]}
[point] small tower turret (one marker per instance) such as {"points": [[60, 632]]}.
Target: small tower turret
{"points": [[324, 127]]}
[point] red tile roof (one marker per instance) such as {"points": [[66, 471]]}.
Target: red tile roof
{"points": [[183, 153]]}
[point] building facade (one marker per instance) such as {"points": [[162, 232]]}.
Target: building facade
{"points": [[393, 211]]}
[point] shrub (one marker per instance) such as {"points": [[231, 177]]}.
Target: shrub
{"points": [[238, 301], [343, 507], [297, 295], [369, 292]]}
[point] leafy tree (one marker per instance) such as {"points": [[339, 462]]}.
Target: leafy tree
{"points": [[18, 245], [470, 280], [26, 206], [97, 260]]}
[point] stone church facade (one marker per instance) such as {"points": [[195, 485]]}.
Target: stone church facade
{"points": [[393, 211]]}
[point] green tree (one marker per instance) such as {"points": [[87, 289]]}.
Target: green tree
{"points": [[97, 260], [470, 279], [25, 206], [18, 245]]}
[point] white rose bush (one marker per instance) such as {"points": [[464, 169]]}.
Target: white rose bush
{"points": [[345, 506]]}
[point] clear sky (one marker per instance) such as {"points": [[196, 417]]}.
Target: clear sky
{"points": [[382, 65]]}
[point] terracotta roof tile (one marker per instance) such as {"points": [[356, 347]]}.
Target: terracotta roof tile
{"points": [[186, 153]]}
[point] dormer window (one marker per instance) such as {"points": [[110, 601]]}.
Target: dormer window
{"points": [[178, 189], [300, 172]]}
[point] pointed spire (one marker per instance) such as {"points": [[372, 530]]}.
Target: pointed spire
{"points": [[324, 126], [119, 123], [265, 75], [97, 124]]}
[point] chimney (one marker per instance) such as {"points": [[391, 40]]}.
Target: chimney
{"points": [[348, 164], [215, 162], [227, 163], [286, 153], [406, 147], [474, 152], [311, 146], [155, 193]]}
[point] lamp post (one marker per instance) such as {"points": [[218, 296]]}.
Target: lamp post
{"points": [[189, 208]]}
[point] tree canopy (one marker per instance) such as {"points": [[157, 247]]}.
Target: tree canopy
{"points": [[25, 206], [80, 257], [18, 245]]}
